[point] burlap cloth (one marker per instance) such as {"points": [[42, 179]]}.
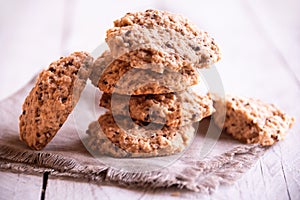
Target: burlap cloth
{"points": [[66, 156]]}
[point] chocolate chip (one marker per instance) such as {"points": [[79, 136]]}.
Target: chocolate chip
{"points": [[147, 117], [24, 112], [172, 109], [105, 82], [64, 99], [75, 72], [51, 69], [40, 95]]}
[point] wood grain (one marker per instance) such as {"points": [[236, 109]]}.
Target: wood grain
{"points": [[70, 189], [19, 186], [279, 21]]}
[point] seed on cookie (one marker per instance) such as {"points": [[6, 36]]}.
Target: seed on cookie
{"points": [[52, 99], [252, 121]]}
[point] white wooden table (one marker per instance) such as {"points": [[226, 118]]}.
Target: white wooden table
{"points": [[260, 42]]}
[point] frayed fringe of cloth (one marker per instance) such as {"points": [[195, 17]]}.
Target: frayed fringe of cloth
{"points": [[199, 176]]}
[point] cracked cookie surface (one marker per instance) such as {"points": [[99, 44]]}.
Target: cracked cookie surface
{"points": [[171, 41], [252, 121]]}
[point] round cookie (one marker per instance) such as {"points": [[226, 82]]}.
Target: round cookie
{"points": [[49, 103], [117, 76], [100, 144], [141, 141], [173, 109], [171, 41]]}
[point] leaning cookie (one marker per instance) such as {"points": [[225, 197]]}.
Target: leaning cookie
{"points": [[49, 103], [117, 76], [173, 109], [252, 121], [172, 40], [140, 140]]}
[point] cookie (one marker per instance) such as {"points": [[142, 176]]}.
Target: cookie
{"points": [[99, 144], [173, 39], [56, 92], [252, 121], [173, 109], [118, 76], [140, 140], [154, 60]]}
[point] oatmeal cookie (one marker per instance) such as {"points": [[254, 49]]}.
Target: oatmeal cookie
{"points": [[49, 103], [172, 40], [117, 76], [138, 139], [173, 109], [252, 121], [101, 145]]}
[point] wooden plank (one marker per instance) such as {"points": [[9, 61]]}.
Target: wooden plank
{"points": [[19, 186], [70, 189], [279, 20], [278, 23]]}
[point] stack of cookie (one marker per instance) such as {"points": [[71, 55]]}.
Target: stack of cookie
{"points": [[145, 78]]}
